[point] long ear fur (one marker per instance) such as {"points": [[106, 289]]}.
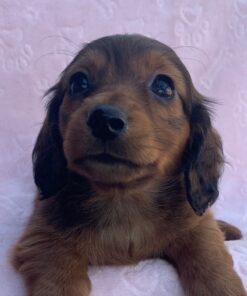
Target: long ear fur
{"points": [[49, 164], [203, 159]]}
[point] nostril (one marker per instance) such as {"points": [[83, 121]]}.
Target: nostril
{"points": [[116, 124], [106, 122]]}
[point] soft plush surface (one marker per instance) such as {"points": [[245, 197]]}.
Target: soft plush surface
{"points": [[37, 40]]}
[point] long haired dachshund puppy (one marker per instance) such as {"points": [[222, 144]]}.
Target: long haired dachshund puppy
{"points": [[127, 164]]}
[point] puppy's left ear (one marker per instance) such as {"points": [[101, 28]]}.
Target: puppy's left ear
{"points": [[203, 159]]}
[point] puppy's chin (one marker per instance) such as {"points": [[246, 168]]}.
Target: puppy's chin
{"points": [[109, 170]]}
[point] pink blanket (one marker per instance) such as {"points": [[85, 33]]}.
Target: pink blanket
{"points": [[37, 40]]}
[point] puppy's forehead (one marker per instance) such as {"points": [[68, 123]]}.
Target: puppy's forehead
{"points": [[128, 53]]}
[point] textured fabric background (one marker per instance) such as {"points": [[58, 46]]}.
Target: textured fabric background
{"points": [[38, 39]]}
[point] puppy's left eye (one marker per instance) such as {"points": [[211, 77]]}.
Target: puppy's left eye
{"points": [[79, 84], [163, 86]]}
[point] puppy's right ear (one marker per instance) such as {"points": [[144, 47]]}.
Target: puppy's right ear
{"points": [[49, 163]]}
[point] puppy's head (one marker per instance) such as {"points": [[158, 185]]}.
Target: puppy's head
{"points": [[125, 110]]}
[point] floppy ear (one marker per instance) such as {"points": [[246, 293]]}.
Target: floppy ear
{"points": [[203, 159], [49, 164]]}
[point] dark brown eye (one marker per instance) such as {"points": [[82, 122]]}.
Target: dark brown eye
{"points": [[163, 86], [79, 84]]}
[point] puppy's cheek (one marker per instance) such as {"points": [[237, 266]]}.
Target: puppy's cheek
{"points": [[75, 136], [67, 110], [171, 133], [139, 143], [75, 144], [172, 148]]}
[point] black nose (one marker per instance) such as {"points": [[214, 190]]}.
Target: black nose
{"points": [[106, 122]]}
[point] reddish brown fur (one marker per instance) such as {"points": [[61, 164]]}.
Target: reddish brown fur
{"points": [[92, 213], [230, 232]]}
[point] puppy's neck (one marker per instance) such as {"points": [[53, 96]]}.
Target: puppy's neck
{"points": [[84, 203], [144, 188], [139, 185]]}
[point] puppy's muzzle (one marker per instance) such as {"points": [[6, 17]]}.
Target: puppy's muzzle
{"points": [[106, 122]]}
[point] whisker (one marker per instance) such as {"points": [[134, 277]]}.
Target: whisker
{"points": [[76, 46], [195, 60], [192, 47], [60, 52]]}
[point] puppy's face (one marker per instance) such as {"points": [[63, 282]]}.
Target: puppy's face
{"points": [[122, 117], [124, 112]]}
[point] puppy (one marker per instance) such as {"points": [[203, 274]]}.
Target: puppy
{"points": [[127, 164]]}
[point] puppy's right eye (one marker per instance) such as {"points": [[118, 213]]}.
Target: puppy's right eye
{"points": [[79, 84]]}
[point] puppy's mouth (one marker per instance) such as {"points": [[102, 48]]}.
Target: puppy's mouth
{"points": [[111, 170], [107, 159]]}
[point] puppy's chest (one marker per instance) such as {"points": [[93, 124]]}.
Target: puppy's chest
{"points": [[126, 232]]}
